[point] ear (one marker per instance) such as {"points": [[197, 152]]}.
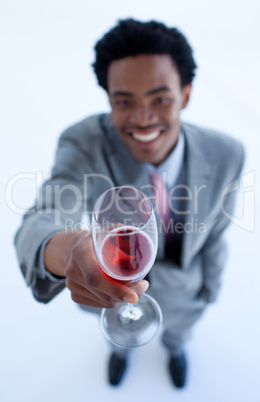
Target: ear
{"points": [[186, 91]]}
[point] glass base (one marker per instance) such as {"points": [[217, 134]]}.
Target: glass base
{"points": [[130, 326]]}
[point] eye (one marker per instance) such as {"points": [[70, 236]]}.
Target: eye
{"points": [[121, 102], [162, 100]]}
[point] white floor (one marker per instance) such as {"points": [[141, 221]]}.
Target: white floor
{"points": [[56, 352]]}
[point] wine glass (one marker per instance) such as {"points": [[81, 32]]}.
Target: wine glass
{"points": [[125, 240]]}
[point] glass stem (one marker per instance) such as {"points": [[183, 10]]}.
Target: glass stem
{"points": [[130, 307]]}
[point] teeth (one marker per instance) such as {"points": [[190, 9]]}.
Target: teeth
{"points": [[146, 137]]}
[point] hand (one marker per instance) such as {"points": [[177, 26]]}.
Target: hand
{"points": [[88, 283]]}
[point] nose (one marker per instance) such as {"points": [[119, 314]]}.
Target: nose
{"points": [[142, 116]]}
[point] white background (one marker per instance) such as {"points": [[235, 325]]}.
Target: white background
{"points": [[55, 352]]}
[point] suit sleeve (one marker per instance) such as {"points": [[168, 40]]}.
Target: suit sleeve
{"points": [[58, 207], [214, 252]]}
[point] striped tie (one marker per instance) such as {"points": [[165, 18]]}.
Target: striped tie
{"points": [[173, 240]]}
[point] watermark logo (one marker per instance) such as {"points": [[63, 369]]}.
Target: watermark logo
{"points": [[68, 201], [246, 220]]}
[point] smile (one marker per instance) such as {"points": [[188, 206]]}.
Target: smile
{"points": [[146, 137]]}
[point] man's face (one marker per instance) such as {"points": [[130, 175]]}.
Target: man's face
{"points": [[146, 98]]}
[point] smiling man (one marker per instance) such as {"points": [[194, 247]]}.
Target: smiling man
{"points": [[146, 98], [147, 70]]}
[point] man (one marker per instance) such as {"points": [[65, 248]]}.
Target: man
{"points": [[147, 71]]}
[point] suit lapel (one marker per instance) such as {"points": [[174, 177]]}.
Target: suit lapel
{"points": [[199, 165]]}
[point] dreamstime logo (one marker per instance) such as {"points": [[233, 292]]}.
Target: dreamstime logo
{"points": [[247, 219]]}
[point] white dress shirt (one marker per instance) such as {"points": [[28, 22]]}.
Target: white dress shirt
{"points": [[170, 169]]}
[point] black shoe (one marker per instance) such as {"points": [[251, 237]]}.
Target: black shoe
{"points": [[178, 370], [116, 369]]}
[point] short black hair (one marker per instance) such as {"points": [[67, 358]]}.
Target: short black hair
{"points": [[131, 38]]}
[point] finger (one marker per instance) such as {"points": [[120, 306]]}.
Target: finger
{"points": [[106, 287], [85, 301], [73, 273], [139, 287], [81, 291]]}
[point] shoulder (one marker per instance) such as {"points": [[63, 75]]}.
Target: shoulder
{"points": [[216, 144], [80, 147], [84, 131]]}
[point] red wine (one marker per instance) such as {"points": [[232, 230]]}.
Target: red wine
{"points": [[127, 254]]}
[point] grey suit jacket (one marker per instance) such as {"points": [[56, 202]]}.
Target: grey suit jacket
{"points": [[91, 158]]}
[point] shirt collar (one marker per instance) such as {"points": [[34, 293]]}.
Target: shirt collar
{"points": [[170, 169]]}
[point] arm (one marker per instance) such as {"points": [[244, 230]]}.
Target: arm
{"points": [[68, 255], [61, 199]]}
